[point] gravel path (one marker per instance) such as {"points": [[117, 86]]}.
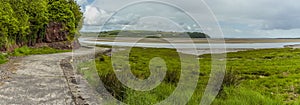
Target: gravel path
{"points": [[46, 79]]}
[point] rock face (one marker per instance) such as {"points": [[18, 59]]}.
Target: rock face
{"points": [[57, 37], [55, 32]]}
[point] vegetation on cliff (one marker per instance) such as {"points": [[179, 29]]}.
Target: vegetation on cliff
{"points": [[28, 22]]}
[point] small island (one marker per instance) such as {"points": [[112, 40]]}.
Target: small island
{"points": [[152, 34]]}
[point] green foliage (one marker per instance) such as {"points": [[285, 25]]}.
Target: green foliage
{"points": [[25, 21], [67, 12], [23, 51], [38, 12], [3, 58], [8, 24]]}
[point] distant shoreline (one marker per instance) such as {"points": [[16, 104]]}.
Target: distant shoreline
{"points": [[195, 40], [292, 46]]}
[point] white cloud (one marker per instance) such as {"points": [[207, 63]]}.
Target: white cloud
{"points": [[95, 16], [238, 18]]}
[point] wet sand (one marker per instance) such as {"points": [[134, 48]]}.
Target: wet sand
{"points": [[196, 40]]}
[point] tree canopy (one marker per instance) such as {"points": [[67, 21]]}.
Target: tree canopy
{"points": [[26, 21]]}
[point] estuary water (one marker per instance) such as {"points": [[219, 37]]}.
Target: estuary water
{"points": [[193, 45], [194, 48]]}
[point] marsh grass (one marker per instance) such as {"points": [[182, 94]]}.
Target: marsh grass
{"points": [[254, 77]]}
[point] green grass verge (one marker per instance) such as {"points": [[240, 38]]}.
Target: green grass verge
{"points": [[3, 58], [255, 77], [24, 51]]}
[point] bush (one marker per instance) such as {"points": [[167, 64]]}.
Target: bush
{"points": [[22, 51]]}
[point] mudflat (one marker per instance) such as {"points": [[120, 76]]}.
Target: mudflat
{"points": [[195, 40]]}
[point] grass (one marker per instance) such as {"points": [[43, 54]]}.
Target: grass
{"points": [[255, 77], [244, 96], [3, 58], [24, 51]]}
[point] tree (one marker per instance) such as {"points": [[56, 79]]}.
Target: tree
{"points": [[19, 7], [38, 18], [8, 24]]}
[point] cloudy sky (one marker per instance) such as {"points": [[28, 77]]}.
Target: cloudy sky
{"points": [[236, 18]]}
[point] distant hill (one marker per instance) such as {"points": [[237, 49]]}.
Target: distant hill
{"points": [[152, 34]]}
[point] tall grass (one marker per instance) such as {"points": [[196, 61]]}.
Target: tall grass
{"points": [[3, 58], [24, 51], [255, 77], [244, 96]]}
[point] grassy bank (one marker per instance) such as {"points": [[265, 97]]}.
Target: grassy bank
{"points": [[3, 58], [255, 77], [24, 51]]}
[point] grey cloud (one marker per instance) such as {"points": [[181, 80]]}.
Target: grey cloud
{"points": [[129, 16], [254, 17], [269, 14]]}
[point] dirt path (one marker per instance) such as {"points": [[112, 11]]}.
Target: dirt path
{"points": [[45, 79]]}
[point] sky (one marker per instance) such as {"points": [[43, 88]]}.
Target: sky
{"points": [[235, 18]]}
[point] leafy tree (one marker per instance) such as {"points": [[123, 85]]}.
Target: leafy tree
{"points": [[8, 24], [38, 18], [19, 7]]}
